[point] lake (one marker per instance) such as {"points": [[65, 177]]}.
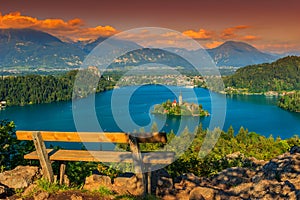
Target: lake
{"points": [[255, 112]]}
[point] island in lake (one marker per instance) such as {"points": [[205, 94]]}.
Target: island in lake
{"points": [[180, 108]]}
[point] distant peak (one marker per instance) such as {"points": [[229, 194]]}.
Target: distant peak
{"points": [[235, 43], [29, 35]]}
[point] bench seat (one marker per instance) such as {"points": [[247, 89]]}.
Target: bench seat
{"points": [[155, 157]]}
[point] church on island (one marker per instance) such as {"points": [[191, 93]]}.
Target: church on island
{"points": [[180, 108], [179, 100]]}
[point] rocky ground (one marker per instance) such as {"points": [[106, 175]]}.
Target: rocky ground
{"points": [[278, 178]]}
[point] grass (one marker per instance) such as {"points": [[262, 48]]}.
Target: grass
{"points": [[104, 191], [46, 186], [54, 188]]}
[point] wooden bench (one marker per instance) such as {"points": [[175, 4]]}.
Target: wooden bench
{"points": [[140, 160]]}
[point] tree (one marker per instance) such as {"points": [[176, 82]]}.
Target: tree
{"points": [[230, 132], [12, 150]]}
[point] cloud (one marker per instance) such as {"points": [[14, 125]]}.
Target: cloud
{"points": [[231, 33], [249, 38], [156, 38], [199, 35], [213, 44], [74, 29]]}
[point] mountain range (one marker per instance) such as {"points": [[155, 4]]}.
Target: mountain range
{"points": [[36, 49]]}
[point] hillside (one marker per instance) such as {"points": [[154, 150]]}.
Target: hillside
{"points": [[281, 75], [238, 54]]}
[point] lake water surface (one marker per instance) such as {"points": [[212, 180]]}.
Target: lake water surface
{"points": [[256, 113]]}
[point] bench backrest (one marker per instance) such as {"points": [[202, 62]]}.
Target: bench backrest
{"points": [[103, 137]]}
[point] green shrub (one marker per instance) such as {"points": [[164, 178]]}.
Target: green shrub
{"points": [[12, 150]]}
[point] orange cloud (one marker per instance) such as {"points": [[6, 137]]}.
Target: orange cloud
{"points": [[74, 29], [213, 44], [199, 35], [230, 33], [15, 20], [249, 38]]}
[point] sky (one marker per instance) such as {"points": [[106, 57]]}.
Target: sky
{"points": [[270, 25]]}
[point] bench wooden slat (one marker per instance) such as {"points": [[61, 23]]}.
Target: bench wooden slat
{"points": [[156, 157], [33, 155], [91, 156], [105, 156], [76, 136], [113, 137]]}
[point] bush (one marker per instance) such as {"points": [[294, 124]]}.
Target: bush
{"points": [[12, 150]]}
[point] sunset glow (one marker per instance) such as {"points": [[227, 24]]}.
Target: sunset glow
{"points": [[269, 26]]}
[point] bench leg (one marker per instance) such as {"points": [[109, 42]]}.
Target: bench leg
{"points": [[149, 179], [62, 173], [138, 164], [43, 156]]}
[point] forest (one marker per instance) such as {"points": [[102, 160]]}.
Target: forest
{"points": [[290, 102], [281, 75], [36, 89]]}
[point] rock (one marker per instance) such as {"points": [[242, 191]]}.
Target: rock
{"points": [[282, 168], [20, 177], [128, 184], [232, 177], [169, 197], [76, 197], [160, 177], [276, 179], [94, 182], [182, 195], [254, 163], [30, 190], [2, 190], [187, 181], [41, 196], [201, 193], [196, 194], [164, 186], [187, 177], [265, 189], [295, 149]]}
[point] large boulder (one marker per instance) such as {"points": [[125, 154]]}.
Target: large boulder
{"points": [[20, 177], [278, 178], [295, 149], [41, 196], [94, 182], [186, 182], [265, 189], [161, 182], [232, 177], [128, 183], [282, 168], [4, 190]]}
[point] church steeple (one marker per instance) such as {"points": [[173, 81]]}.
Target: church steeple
{"points": [[180, 98]]}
